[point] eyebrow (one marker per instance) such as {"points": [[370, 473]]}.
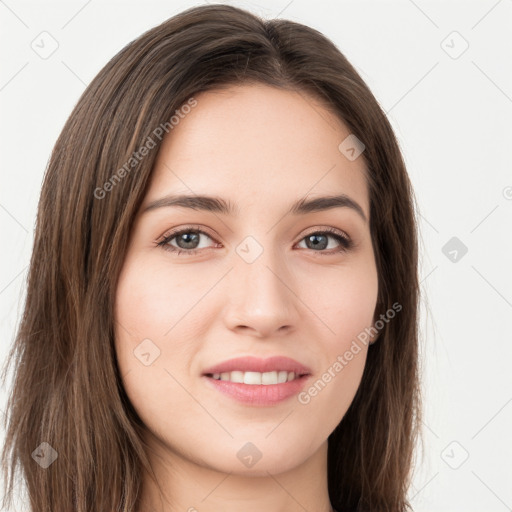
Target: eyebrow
{"points": [[218, 205]]}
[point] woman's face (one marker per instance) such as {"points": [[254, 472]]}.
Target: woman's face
{"points": [[259, 281]]}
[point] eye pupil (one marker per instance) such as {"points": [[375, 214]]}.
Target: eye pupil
{"points": [[189, 238]]}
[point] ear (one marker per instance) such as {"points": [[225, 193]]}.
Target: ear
{"points": [[373, 339]]}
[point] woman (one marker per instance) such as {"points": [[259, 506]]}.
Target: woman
{"points": [[222, 300]]}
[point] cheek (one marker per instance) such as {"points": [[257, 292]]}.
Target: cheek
{"points": [[140, 316], [147, 307], [139, 310], [346, 307], [148, 300], [347, 310], [157, 312], [345, 301]]}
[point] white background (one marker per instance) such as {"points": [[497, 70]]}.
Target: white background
{"points": [[452, 116]]}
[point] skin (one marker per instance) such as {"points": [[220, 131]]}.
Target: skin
{"points": [[262, 149]]}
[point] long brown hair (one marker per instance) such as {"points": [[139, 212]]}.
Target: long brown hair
{"points": [[67, 388]]}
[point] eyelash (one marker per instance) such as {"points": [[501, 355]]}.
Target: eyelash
{"points": [[345, 242]]}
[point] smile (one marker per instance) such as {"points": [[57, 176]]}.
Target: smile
{"points": [[255, 378]]}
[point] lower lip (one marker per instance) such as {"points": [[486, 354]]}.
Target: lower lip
{"points": [[259, 394]]}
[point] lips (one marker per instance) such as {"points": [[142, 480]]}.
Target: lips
{"points": [[254, 364]]}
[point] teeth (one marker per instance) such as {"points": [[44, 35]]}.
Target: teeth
{"points": [[253, 378]]}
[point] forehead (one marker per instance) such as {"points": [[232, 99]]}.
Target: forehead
{"points": [[254, 144]]}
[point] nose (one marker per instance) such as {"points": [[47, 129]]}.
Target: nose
{"points": [[262, 297]]}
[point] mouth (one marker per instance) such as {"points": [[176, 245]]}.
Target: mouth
{"points": [[257, 378], [258, 382], [254, 370], [257, 389]]}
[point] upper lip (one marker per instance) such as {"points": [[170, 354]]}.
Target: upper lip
{"points": [[255, 364]]}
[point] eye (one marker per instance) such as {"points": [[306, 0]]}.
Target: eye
{"points": [[187, 241], [318, 240]]}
